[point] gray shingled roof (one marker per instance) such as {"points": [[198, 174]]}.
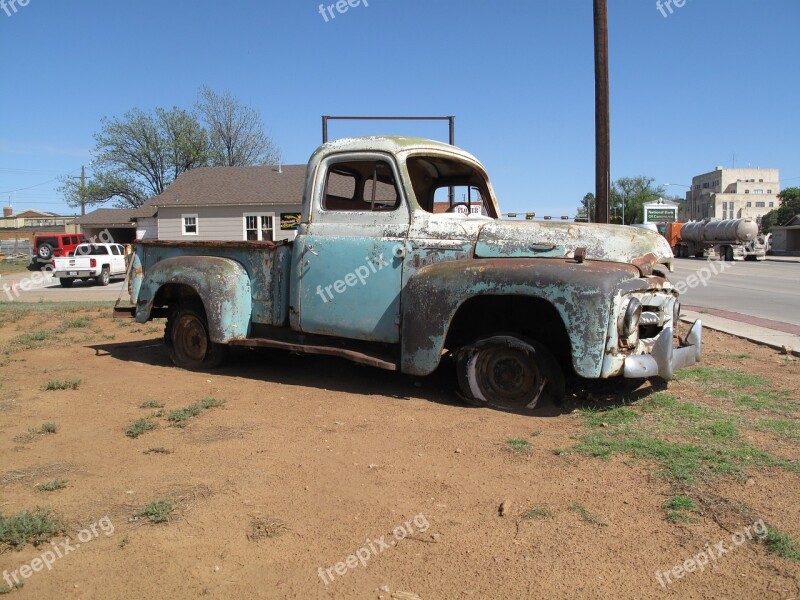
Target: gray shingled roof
{"points": [[233, 185], [107, 217]]}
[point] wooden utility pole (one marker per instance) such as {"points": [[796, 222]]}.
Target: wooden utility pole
{"points": [[601, 115]]}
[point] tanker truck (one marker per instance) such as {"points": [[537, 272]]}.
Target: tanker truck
{"points": [[730, 239]]}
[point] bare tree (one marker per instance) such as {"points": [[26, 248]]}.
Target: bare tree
{"points": [[236, 132]]}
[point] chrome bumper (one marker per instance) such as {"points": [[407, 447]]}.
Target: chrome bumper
{"points": [[665, 359]]}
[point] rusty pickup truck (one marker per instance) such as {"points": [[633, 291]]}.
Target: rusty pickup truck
{"points": [[401, 259]]}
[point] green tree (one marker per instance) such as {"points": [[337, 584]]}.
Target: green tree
{"points": [[138, 156], [629, 195], [790, 206], [585, 210]]}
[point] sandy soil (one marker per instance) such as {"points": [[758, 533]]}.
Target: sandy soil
{"points": [[312, 460]]}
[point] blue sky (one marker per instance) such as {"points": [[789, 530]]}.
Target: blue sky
{"points": [[714, 79]]}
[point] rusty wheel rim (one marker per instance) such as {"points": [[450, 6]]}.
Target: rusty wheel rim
{"points": [[508, 375], [190, 339]]}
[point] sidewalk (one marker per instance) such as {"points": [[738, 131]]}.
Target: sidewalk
{"points": [[774, 334], [788, 259]]}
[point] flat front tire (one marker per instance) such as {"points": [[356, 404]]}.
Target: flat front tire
{"points": [[509, 373], [188, 341]]}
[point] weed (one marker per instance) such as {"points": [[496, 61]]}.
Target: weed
{"points": [[680, 503], [608, 416], [265, 528], [157, 451], [151, 404], [76, 323], [4, 589], [782, 544], [588, 516], [47, 428], [156, 512], [67, 384], [52, 486], [726, 378], [518, 444], [537, 512], [536, 433], [178, 417], [784, 428], [139, 427], [29, 527]]}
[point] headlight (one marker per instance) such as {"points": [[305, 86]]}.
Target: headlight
{"points": [[628, 323]]}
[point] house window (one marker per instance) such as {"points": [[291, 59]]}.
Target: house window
{"points": [[749, 205], [189, 224], [258, 227], [771, 204], [761, 205], [747, 191], [769, 191]]}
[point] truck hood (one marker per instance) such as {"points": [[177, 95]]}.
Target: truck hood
{"points": [[611, 243]]}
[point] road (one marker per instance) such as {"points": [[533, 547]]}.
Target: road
{"points": [[770, 290], [35, 286]]}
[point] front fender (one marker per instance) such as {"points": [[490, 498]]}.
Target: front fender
{"points": [[222, 284], [582, 294]]}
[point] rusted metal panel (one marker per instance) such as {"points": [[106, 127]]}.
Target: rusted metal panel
{"points": [[581, 293], [222, 284], [611, 243]]}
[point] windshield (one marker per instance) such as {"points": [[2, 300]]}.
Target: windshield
{"points": [[87, 249], [449, 185]]}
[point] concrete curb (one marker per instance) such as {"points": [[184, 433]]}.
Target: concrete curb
{"points": [[777, 340]]}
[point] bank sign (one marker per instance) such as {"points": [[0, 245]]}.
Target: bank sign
{"points": [[661, 214]]}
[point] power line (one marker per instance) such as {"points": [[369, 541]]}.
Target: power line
{"points": [[37, 185]]}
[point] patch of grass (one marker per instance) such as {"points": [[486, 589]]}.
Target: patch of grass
{"points": [[265, 528], [47, 428], [588, 516], [52, 486], [784, 428], [67, 384], [139, 427], [658, 401], [536, 433], [151, 404], [180, 416], [780, 401], [537, 512], [76, 323], [680, 503], [28, 341], [742, 356], [29, 527], [518, 444], [675, 509], [725, 378], [156, 512], [716, 430], [782, 544], [608, 416]]}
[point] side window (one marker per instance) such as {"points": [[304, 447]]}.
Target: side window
{"points": [[189, 223], [258, 227], [115, 250], [435, 180], [361, 185]]}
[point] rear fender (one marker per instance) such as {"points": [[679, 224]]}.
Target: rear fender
{"points": [[222, 285]]}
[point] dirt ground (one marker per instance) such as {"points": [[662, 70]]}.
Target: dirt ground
{"points": [[312, 460]]}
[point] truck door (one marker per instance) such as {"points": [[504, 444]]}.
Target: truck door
{"points": [[349, 256]]}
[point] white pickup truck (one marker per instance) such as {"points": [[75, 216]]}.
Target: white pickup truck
{"points": [[100, 262]]}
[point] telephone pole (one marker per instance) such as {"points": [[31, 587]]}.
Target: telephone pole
{"points": [[602, 115]]}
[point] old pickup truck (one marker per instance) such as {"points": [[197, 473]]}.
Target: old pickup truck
{"points": [[381, 274]]}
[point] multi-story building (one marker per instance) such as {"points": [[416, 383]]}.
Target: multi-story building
{"points": [[733, 194]]}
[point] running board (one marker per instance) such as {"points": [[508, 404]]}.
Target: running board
{"points": [[372, 359]]}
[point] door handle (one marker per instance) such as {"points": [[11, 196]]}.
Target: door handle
{"points": [[310, 248]]}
